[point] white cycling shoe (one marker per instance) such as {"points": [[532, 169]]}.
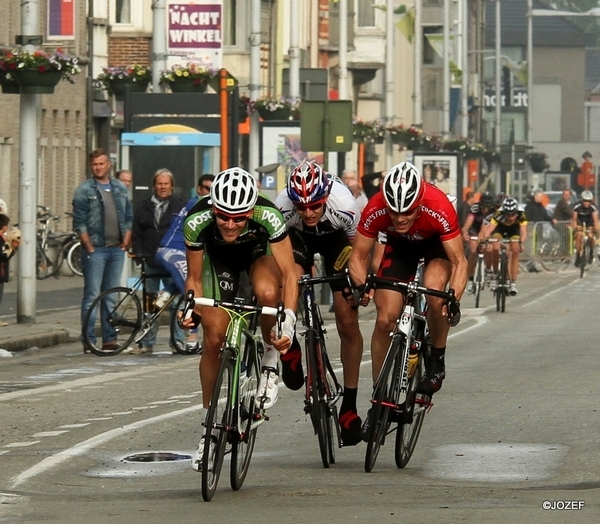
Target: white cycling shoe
{"points": [[268, 390], [197, 456]]}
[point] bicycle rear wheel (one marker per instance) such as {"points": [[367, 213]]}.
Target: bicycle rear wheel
{"points": [[379, 414], [412, 418], [54, 254], [74, 258], [241, 451], [117, 315], [317, 404], [219, 420]]}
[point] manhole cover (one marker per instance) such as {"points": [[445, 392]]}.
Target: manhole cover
{"points": [[156, 456]]}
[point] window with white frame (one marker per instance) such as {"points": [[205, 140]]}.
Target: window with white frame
{"points": [[365, 13], [130, 16]]}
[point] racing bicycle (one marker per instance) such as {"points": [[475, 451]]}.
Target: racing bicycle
{"points": [[233, 416], [322, 388], [396, 398], [585, 254]]}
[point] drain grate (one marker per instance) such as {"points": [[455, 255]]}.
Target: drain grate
{"points": [[156, 456]]}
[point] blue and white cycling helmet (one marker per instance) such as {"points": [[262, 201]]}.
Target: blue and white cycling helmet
{"points": [[308, 184]]}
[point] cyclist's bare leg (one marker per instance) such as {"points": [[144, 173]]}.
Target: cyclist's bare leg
{"points": [[436, 276], [351, 340], [266, 284], [214, 326], [495, 256], [514, 251], [388, 304], [472, 258]]}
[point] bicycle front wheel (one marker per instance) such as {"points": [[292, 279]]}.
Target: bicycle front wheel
{"points": [[241, 452], [379, 414], [317, 400], [74, 258], [412, 418], [112, 321], [219, 420], [479, 280]]}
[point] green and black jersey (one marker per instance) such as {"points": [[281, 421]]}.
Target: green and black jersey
{"points": [[265, 226]]}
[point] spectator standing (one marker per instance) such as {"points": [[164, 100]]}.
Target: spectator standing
{"points": [[125, 176], [102, 217], [564, 208], [535, 210], [586, 179], [151, 221], [350, 178], [9, 242], [171, 253]]}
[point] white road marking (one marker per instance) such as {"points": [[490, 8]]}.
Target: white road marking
{"points": [[70, 426], [544, 296], [48, 433], [86, 445], [21, 444]]}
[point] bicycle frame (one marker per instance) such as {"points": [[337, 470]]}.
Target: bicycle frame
{"points": [[323, 390]]}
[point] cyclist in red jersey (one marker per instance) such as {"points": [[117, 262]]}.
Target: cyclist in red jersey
{"points": [[420, 222]]}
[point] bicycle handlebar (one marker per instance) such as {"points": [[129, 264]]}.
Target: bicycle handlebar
{"points": [[211, 302], [413, 287]]}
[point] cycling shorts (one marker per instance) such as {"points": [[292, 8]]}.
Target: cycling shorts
{"points": [[401, 258], [333, 247], [227, 280], [503, 231]]}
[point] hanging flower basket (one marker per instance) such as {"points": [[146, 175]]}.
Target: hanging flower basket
{"points": [[188, 87], [368, 132], [275, 108], [188, 78], [38, 72], [117, 79], [8, 83], [34, 82]]}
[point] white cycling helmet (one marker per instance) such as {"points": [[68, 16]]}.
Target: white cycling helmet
{"points": [[234, 191], [587, 196], [403, 187], [510, 205]]}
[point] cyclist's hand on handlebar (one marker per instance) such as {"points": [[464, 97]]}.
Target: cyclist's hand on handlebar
{"points": [[187, 318], [282, 333], [453, 312]]}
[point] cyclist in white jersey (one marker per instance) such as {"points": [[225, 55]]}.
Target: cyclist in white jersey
{"points": [[322, 214]]}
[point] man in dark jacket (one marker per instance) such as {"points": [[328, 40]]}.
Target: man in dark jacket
{"points": [[151, 221], [535, 210]]}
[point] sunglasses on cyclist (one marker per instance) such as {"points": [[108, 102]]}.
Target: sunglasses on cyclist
{"points": [[310, 207], [226, 218]]}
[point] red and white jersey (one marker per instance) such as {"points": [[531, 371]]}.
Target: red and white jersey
{"points": [[437, 216]]}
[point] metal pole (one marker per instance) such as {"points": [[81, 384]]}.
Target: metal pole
{"points": [[28, 156], [464, 88], [418, 49], [159, 42], [294, 51], [498, 119], [446, 75], [389, 79], [529, 71], [343, 51], [254, 86]]}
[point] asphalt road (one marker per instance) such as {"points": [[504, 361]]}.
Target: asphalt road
{"points": [[514, 428]]}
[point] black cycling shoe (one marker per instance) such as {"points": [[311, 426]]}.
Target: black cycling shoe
{"points": [[350, 428], [435, 373], [291, 367]]}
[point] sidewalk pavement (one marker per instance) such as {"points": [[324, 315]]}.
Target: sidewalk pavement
{"points": [[56, 320]]}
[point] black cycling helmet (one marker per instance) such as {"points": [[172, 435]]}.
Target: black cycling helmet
{"points": [[487, 200]]}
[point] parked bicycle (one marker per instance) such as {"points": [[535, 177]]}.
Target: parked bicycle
{"points": [[396, 398], [233, 417], [121, 316], [323, 389], [48, 251]]}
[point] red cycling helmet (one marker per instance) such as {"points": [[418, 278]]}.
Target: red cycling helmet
{"points": [[308, 184]]}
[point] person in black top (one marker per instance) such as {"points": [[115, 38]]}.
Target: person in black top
{"points": [[585, 214]]}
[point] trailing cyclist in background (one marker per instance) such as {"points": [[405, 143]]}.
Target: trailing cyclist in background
{"points": [[420, 222], [509, 223], [470, 231], [322, 214], [585, 213], [232, 232]]}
